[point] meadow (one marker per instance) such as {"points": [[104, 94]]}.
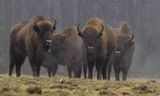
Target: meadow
{"points": [[64, 86]]}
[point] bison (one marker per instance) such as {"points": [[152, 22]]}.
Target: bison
{"points": [[67, 49], [124, 50], [29, 38], [99, 43]]}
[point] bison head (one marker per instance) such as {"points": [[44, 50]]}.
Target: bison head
{"points": [[44, 29], [123, 44], [90, 35], [58, 42]]}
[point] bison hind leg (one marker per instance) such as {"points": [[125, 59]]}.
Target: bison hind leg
{"points": [[12, 59], [19, 61], [11, 65]]}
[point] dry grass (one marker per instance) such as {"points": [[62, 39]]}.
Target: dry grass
{"points": [[63, 86]]}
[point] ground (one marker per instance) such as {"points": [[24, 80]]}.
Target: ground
{"points": [[63, 86]]}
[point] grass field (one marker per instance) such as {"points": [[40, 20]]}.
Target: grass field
{"points": [[63, 86]]}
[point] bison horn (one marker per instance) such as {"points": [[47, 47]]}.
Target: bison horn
{"points": [[54, 20], [132, 37], [79, 31], [102, 28], [101, 31], [35, 27]]}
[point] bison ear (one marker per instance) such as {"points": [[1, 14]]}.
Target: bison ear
{"points": [[101, 31], [79, 31], [132, 38], [80, 34], [55, 23], [54, 20], [35, 27]]}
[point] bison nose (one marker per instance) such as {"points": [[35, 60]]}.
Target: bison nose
{"points": [[91, 49], [117, 52], [49, 42]]}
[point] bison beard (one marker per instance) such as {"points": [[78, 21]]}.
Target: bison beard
{"points": [[99, 44], [29, 39]]}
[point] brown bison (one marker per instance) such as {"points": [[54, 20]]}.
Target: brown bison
{"points": [[30, 39], [124, 50], [99, 43], [66, 49]]}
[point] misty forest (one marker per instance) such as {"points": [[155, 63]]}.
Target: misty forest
{"points": [[142, 16]]}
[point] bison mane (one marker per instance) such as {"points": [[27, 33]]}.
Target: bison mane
{"points": [[125, 28], [95, 23]]}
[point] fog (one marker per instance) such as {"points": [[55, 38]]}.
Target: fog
{"points": [[142, 15]]}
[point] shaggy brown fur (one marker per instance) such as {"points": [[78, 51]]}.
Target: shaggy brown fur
{"points": [[99, 42], [67, 50], [28, 39], [124, 50], [124, 30]]}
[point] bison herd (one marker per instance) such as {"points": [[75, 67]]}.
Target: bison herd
{"points": [[96, 44]]}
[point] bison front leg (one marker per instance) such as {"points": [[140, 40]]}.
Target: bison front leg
{"points": [[35, 70], [90, 69], [109, 69], [35, 67], [85, 70], [54, 69], [85, 65], [124, 71], [49, 72], [69, 69], [104, 72], [18, 70], [117, 72], [77, 69], [99, 67]]}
